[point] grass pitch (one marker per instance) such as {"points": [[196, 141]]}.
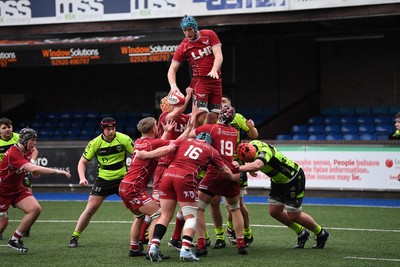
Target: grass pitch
{"points": [[360, 236]]}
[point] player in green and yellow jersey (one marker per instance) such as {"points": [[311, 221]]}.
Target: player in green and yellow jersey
{"points": [[109, 148], [287, 189]]}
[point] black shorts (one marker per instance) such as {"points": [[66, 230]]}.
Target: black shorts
{"points": [[105, 188], [292, 193]]}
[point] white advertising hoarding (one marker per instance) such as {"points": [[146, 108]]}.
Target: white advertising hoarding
{"points": [[343, 167], [30, 12]]}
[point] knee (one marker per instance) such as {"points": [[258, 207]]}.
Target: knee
{"points": [[214, 204], [3, 215], [37, 209]]}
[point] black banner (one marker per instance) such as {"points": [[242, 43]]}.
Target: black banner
{"points": [[65, 158], [90, 51]]}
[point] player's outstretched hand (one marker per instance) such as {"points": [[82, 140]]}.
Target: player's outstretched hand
{"points": [[213, 74]]}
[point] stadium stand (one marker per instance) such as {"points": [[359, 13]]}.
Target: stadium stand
{"points": [[346, 123]]}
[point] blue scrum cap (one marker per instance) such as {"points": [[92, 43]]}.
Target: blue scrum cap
{"points": [[189, 21], [204, 136]]}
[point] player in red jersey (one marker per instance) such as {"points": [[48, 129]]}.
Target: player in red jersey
{"points": [[179, 185], [241, 124], [202, 49], [224, 137], [169, 113], [132, 188], [16, 162]]}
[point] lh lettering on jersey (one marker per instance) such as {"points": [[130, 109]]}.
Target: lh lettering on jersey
{"points": [[206, 51]]}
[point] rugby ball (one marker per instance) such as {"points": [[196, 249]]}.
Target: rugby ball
{"points": [[176, 99]]}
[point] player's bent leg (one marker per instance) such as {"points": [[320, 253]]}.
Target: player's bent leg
{"points": [[94, 202], [237, 219], [175, 241]]}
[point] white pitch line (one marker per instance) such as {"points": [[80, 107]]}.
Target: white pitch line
{"points": [[334, 228], [370, 259], [210, 224]]}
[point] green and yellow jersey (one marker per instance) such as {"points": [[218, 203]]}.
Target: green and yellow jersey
{"points": [[277, 166], [6, 144], [111, 156], [239, 123]]}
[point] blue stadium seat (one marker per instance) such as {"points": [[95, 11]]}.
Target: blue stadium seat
{"points": [[80, 114], [73, 133], [300, 137], [44, 136], [78, 122], [381, 120], [350, 137], [53, 115], [384, 129], [93, 114], [332, 129], [45, 133], [36, 125], [283, 137], [315, 137], [349, 129], [51, 122], [366, 129], [348, 120], [91, 123], [41, 115], [59, 133], [25, 123], [299, 129], [317, 120], [382, 137], [96, 133], [85, 134], [368, 136], [333, 136], [39, 120], [315, 129], [66, 115], [329, 120], [362, 120]]}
